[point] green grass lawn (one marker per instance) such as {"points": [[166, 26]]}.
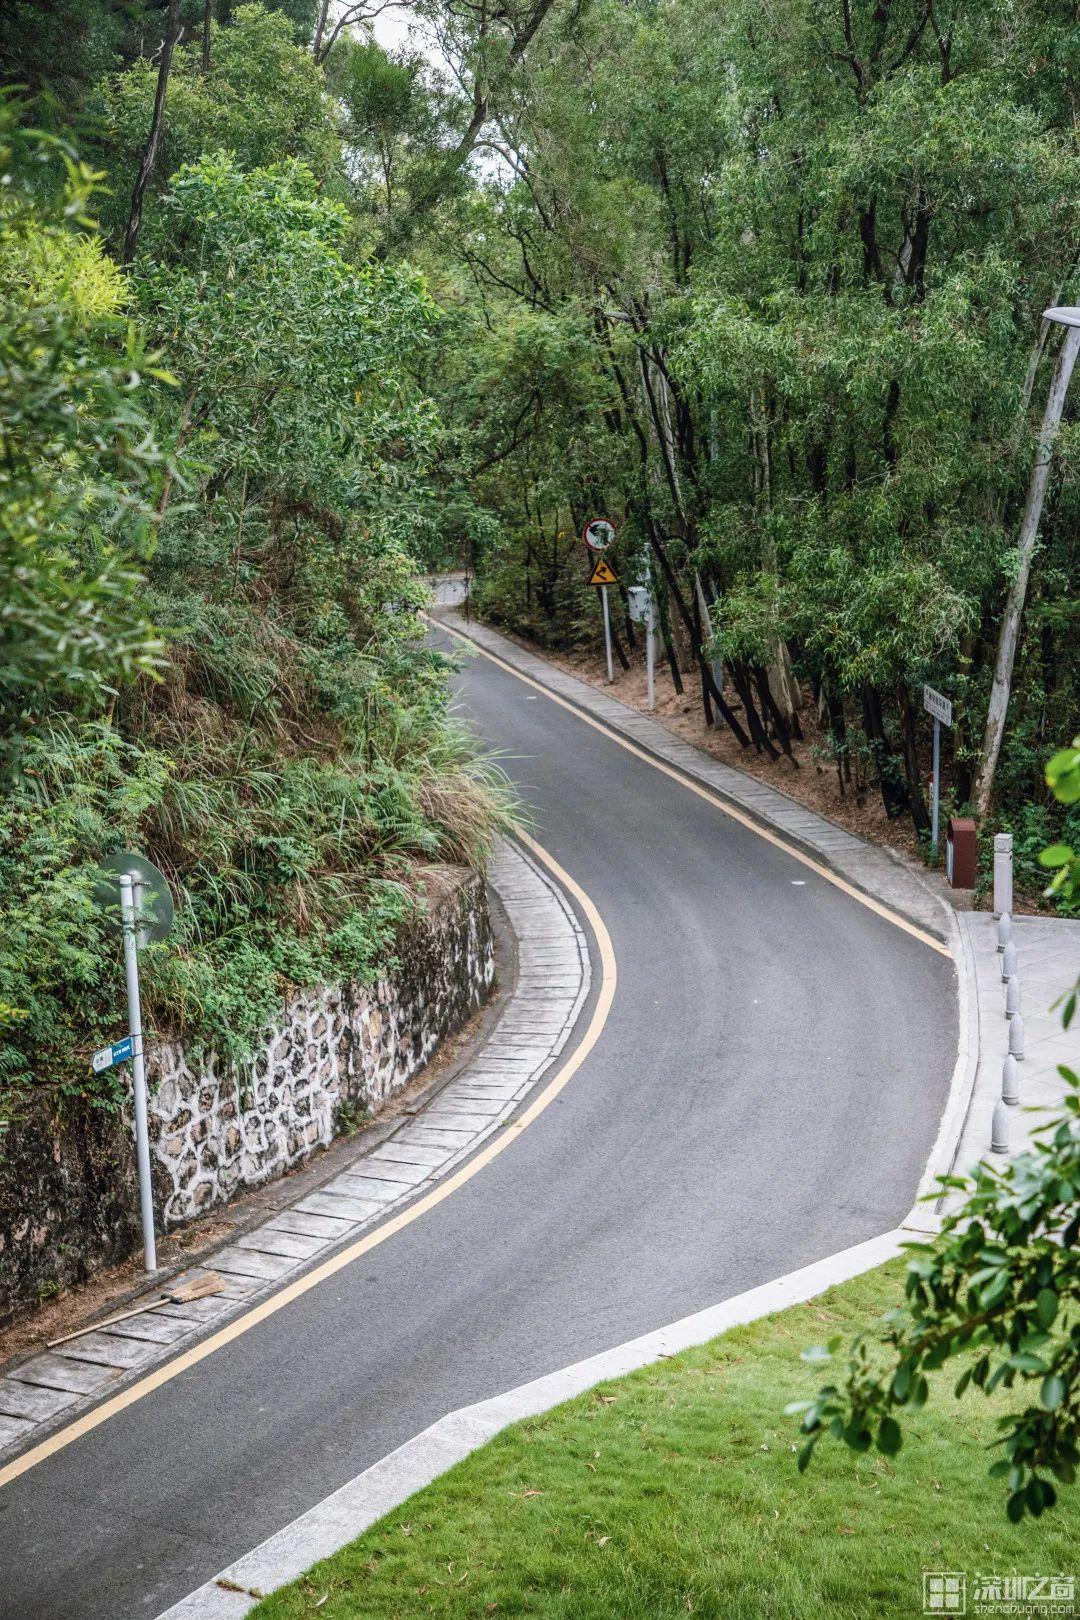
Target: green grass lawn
{"points": [[674, 1491]]}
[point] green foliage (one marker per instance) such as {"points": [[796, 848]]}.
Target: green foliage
{"points": [[289, 764], [76, 799], [803, 260], [77, 460], [1039, 828], [262, 101], [999, 1286], [393, 122], [57, 49], [1063, 780], [272, 876]]}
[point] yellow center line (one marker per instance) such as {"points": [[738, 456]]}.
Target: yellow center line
{"points": [[702, 792], [329, 1268]]}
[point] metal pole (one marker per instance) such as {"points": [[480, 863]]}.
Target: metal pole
{"points": [[937, 786], [649, 653], [607, 635], [142, 1134]]}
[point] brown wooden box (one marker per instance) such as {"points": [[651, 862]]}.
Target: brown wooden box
{"points": [[960, 852]]}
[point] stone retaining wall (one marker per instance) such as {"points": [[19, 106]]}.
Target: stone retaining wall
{"points": [[68, 1199]]}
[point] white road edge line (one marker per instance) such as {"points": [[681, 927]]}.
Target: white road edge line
{"points": [[345, 1514]]}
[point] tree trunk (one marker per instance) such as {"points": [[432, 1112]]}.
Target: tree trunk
{"points": [[616, 643], [758, 734], [207, 8], [684, 614], [893, 791], [772, 711], [1014, 602], [706, 702], [631, 638], [669, 645], [320, 30], [149, 157], [834, 708], [917, 803]]}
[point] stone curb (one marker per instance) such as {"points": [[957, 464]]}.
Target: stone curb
{"points": [[877, 872], [925, 1217], [42, 1393], [344, 1515]]}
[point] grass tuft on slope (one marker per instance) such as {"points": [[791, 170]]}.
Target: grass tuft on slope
{"points": [[674, 1492]]}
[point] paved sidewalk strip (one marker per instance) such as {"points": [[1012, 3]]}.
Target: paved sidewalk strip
{"points": [[45, 1392], [884, 876], [1048, 960]]}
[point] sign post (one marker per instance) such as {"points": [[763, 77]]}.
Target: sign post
{"points": [[941, 708], [138, 1069], [145, 916], [598, 534], [607, 634]]}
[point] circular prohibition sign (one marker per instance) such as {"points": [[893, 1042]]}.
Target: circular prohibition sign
{"points": [[598, 534]]}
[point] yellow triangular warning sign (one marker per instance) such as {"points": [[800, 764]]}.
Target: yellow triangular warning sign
{"points": [[602, 573]]}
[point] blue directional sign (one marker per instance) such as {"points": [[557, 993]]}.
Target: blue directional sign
{"points": [[118, 1052]]}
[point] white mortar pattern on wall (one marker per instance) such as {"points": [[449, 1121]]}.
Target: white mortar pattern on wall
{"points": [[216, 1133]]}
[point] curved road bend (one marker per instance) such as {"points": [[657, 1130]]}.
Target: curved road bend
{"points": [[765, 1092]]}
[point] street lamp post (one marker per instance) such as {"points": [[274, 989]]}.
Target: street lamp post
{"points": [[1067, 316]]}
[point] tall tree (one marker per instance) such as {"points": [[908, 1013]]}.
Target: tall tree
{"points": [[153, 140], [1009, 634]]}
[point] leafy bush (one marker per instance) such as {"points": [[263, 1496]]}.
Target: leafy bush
{"points": [[76, 457]]}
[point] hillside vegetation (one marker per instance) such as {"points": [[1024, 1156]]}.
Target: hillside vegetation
{"points": [[215, 479]]}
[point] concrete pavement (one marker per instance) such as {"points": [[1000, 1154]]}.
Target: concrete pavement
{"points": [[1048, 958]]}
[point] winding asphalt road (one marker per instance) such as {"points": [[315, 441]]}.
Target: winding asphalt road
{"points": [[765, 1092]]}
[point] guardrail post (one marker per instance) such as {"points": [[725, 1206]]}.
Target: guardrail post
{"points": [[1016, 1037], [1012, 996], [999, 1129], [1003, 873]]}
